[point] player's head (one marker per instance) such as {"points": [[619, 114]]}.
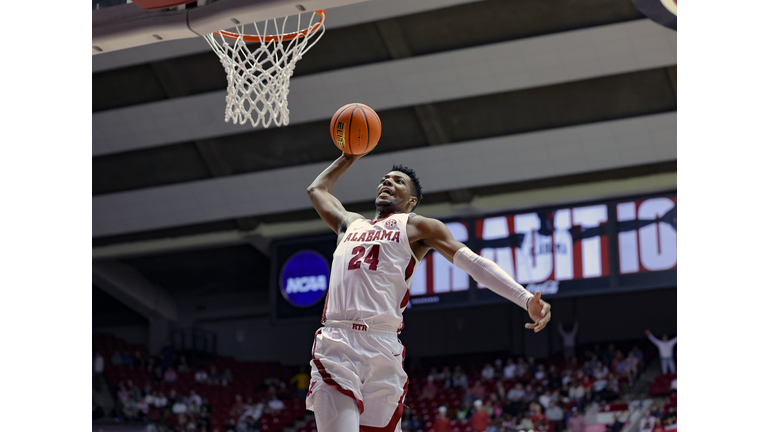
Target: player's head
{"points": [[399, 190]]}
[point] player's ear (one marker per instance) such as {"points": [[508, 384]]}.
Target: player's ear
{"points": [[412, 202]]}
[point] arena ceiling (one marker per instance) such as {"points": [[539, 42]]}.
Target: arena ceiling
{"points": [[519, 95]]}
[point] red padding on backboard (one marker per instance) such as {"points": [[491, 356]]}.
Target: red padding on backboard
{"points": [[160, 4]]}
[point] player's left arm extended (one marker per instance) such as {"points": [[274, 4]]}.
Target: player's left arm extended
{"points": [[437, 236]]}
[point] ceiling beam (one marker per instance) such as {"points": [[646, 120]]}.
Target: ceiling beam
{"points": [[266, 232], [498, 160], [507, 66]]}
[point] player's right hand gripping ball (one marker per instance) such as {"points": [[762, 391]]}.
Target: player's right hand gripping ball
{"points": [[355, 129]]}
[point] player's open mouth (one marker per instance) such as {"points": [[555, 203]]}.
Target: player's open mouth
{"points": [[385, 192]]}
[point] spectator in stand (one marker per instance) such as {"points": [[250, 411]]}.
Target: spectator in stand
{"points": [[194, 398], [541, 373], [632, 365], [601, 371], [143, 408], [429, 391], [555, 415], [183, 367], [98, 364], [647, 422], [617, 424], [147, 390], [655, 411], [416, 422], [524, 421], [237, 408], [442, 422], [522, 367], [658, 427], [127, 360], [555, 382], [567, 377], [569, 339], [544, 398], [227, 378], [666, 348], [509, 369], [445, 377], [275, 405], [459, 378], [433, 375], [467, 398], [532, 365], [130, 409], [138, 360], [487, 372], [480, 418], [577, 423], [673, 385], [253, 410], [170, 375], [501, 392], [530, 395], [463, 413], [117, 359], [639, 355], [300, 380], [157, 375], [576, 393], [213, 376], [498, 369], [201, 376], [405, 423], [670, 414], [508, 423], [538, 418], [610, 353], [478, 390], [161, 401], [492, 406], [516, 393]]}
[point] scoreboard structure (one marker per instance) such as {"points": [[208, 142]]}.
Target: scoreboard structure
{"points": [[570, 250]]}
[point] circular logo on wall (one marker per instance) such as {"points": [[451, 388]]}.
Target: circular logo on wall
{"points": [[304, 278]]}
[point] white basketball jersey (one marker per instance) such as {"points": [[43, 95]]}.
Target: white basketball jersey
{"points": [[371, 273]]}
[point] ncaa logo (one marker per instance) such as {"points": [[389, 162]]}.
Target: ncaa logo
{"points": [[390, 223], [304, 278]]}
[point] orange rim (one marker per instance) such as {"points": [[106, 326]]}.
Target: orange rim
{"points": [[273, 38]]}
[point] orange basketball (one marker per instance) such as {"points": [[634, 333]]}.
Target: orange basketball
{"points": [[355, 128]]}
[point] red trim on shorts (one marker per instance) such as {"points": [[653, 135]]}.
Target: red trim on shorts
{"points": [[390, 427], [328, 379]]}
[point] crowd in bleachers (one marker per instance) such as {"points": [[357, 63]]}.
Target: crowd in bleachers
{"points": [[546, 395], [175, 393]]}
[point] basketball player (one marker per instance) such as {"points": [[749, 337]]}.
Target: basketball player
{"points": [[358, 381]]}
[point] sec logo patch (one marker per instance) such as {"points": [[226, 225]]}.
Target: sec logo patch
{"points": [[390, 223]]}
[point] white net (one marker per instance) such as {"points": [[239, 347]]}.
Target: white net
{"points": [[259, 72]]}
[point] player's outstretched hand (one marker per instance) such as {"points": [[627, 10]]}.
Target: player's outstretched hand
{"points": [[538, 309]]}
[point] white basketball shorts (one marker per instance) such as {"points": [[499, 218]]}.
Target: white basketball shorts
{"points": [[365, 363]]}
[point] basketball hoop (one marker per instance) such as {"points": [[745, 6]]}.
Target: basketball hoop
{"points": [[258, 76]]}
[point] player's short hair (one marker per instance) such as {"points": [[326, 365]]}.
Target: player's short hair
{"points": [[414, 182]]}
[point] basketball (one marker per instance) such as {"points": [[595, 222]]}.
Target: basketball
{"points": [[355, 128]]}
